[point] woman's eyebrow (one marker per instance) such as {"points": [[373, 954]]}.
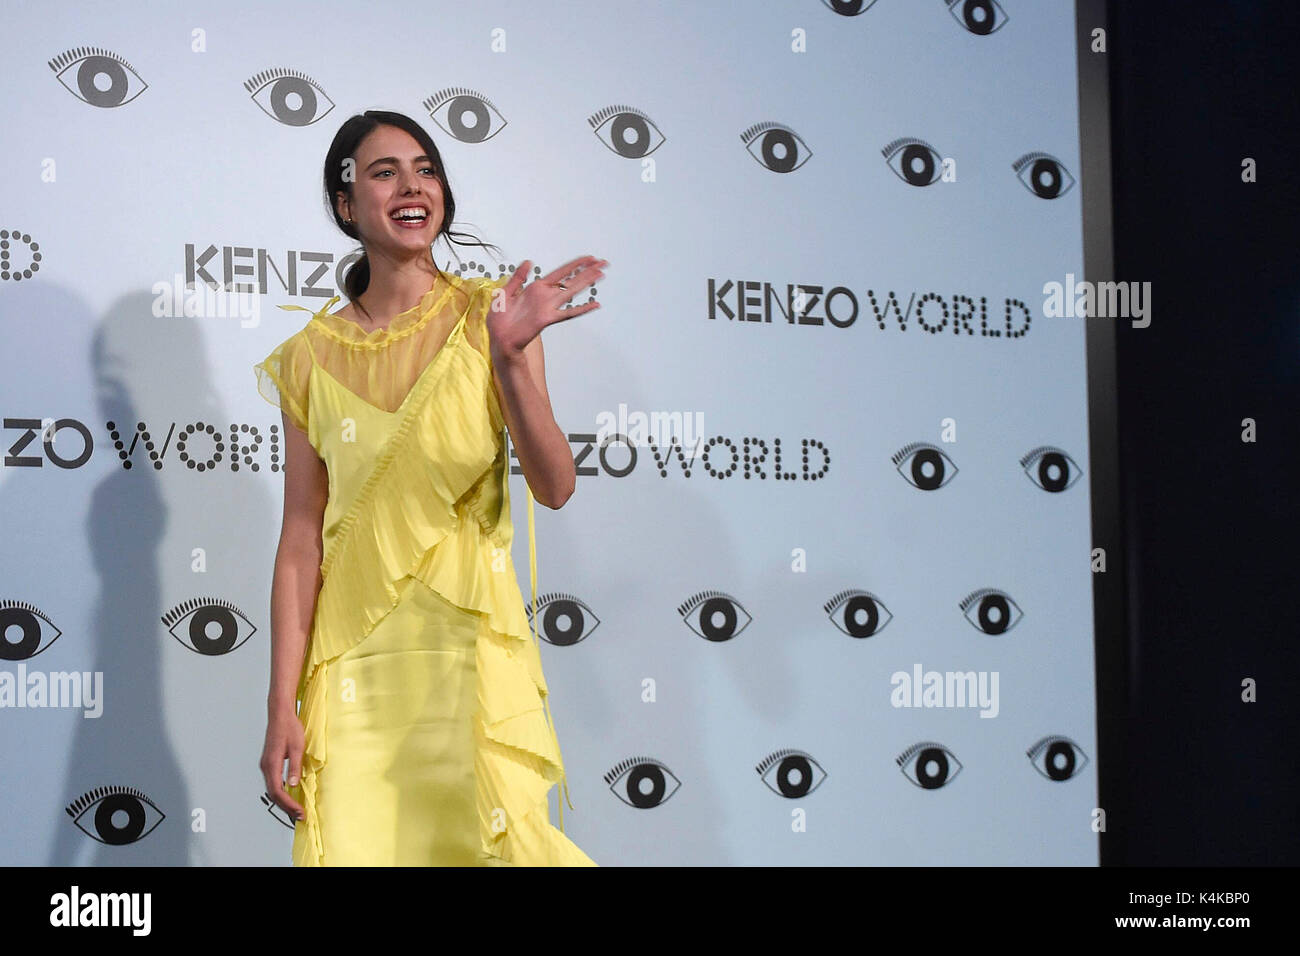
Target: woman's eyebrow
{"points": [[394, 160]]}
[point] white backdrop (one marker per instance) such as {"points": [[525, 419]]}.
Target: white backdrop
{"points": [[146, 147]]}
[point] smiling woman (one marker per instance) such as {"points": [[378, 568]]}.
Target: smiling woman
{"points": [[407, 694], [381, 172]]}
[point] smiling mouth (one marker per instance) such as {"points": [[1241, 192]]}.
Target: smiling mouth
{"points": [[412, 217]]}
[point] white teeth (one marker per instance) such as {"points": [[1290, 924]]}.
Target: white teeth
{"points": [[409, 214]]}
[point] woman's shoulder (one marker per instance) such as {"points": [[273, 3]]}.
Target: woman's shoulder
{"points": [[298, 344]]}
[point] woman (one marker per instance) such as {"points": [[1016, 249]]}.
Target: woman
{"points": [[406, 690]]}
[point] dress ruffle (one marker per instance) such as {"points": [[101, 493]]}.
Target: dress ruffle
{"points": [[454, 536]]}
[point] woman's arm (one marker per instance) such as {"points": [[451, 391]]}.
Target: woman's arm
{"points": [[515, 319], [543, 449], [296, 580], [294, 587]]}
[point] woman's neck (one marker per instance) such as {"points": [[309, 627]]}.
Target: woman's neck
{"points": [[388, 296]]}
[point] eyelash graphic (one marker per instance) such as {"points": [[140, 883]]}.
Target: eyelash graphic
{"points": [[639, 770], [795, 773], [282, 86], [623, 120], [1047, 177], [458, 101], [97, 62], [991, 601], [1056, 469], [966, 12], [931, 763], [850, 8], [920, 163], [25, 617], [208, 611], [1062, 758], [793, 151], [861, 618], [568, 608], [116, 800], [713, 603], [943, 469]]}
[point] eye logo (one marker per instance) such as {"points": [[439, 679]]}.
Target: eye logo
{"points": [[468, 115], [932, 765], [930, 468], [995, 612], [1055, 470], [919, 163], [564, 619], [627, 131], [980, 17], [276, 811], [642, 782], [30, 638], [214, 626], [1061, 758], [96, 62], [718, 617], [1043, 175], [292, 98], [122, 815], [776, 147], [795, 773], [850, 8], [858, 613]]}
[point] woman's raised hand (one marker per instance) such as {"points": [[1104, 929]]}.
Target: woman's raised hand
{"points": [[521, 311]]}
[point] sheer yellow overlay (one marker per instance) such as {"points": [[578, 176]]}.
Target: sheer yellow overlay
{"points": [[419, 616]]}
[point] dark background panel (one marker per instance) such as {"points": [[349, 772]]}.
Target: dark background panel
{"points": [[1210, 521]]}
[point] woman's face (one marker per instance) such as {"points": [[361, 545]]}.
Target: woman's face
{"points": [[393, 173]]}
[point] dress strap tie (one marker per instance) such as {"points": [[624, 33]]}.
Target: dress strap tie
{"points": [[324, 308]]}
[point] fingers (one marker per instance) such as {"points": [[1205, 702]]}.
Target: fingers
{"points": [[570, 267], [293, 807], [295, 762], [275, 790], [591, 272], [273, 777], [585, 278], [286, 803], [281, 796], [518, 278], [576, 274], [574, 312]]}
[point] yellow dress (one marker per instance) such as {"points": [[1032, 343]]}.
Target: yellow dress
{"points": [[428, 738]]}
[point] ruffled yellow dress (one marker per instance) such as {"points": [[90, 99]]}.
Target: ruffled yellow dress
{"points": [[424, 707]]}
